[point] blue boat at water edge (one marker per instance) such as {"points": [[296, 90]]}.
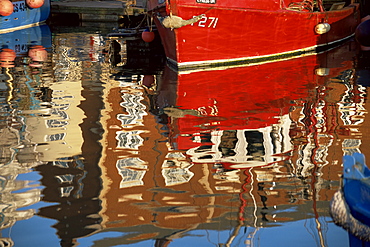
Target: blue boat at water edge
{"points": [[350, 206], [24, 16]]}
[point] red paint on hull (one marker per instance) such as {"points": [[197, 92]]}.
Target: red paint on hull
{"points": [[232, 33], [251, 97]]}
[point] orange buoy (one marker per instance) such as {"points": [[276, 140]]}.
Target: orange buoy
{"points": [[35, 3], [7, 57], [147, 36], [6, 7], [7, 64], [38, 53]]}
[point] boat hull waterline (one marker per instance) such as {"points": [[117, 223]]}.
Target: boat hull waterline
{"points": [[235, 36], [24, 16]]}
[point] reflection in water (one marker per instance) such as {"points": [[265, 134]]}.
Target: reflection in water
{"points": [[21, 83], [49, 126], [75, 184], [127, 156], [248, 148]]}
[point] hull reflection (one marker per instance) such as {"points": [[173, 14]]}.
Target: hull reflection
{"points": [[244, 117], [228, 152]]}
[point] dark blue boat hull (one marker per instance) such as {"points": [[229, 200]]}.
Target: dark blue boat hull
{"points": [[356, 187], [356, 193]]}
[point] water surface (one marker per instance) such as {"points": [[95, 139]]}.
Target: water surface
{"points": [[103, 145]]}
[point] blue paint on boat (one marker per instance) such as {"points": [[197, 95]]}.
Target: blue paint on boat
{"points": [[350, 206], [24, 16], [20, 40], [356, 186]]}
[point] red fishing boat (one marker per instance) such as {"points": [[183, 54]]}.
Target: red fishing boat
{"points": [[204, 33]]}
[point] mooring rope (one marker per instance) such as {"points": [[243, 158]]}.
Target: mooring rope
{"points": [[342, 216]]}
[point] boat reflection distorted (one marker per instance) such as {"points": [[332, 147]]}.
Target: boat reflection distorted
{"points": [[129, 156], [251, 109], [224, 149], [31, 43]]}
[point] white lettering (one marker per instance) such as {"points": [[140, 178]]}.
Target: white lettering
{"points": [[207, 1], [210, 22]]}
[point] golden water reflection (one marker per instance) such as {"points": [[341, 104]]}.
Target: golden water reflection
{"points": [[165, 158]]}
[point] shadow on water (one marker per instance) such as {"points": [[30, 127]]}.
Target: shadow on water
{"points": [[104, 145]]}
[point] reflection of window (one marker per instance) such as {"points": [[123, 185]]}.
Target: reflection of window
{"points": [[56, 137], [132, 171], [61, 164], [66, 191], [65, 178], [129, 139], [176, 171], [352, 113], [60, 106], [59, 113], [351, 146], [59, 119], [54, 123], [228, 176], [134, 108], [255, 147]]}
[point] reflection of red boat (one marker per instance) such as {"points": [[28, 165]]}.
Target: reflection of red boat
{"points": [[242, 32], [244, 104]]}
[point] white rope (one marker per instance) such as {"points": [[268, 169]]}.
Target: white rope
{"points": [[342, 216]]}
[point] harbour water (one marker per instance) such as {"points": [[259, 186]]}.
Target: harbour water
{"points": [[103, 145]]}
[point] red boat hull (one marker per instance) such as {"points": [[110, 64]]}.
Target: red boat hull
{"points": [[251, 32]]}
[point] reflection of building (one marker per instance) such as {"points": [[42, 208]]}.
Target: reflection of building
{"points": [[18, 153], [11, 202], [70, 132], [150, 190], [151, 184], [244, 148], [56, 123]]}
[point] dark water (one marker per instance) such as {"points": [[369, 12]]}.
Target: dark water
{"points": [[103, 145]]}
